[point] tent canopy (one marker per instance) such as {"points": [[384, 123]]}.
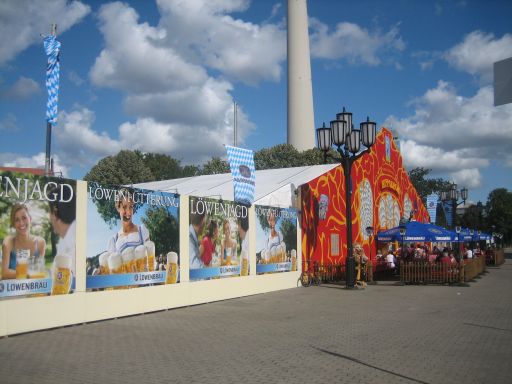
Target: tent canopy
{"points": [[416, 231], [274, 187]]}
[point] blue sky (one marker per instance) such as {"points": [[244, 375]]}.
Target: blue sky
{"points": [[161, 76]]}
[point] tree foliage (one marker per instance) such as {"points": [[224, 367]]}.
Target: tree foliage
{"points": [[499, 213], [425, 186], [215, 166], [162, 167], [125, 168], [164, 229]]}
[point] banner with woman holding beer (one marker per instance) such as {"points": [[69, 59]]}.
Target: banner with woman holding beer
{"points": [[37, 232], [132, 237], [276, 239], [218, 239]]}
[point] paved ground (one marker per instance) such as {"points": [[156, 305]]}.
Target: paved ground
{"points": [[384, 334]]}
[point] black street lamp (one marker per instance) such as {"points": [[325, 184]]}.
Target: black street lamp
{"points": [[402, 228], [369, 232], [458, 229], [453, 195], [348, 142]]}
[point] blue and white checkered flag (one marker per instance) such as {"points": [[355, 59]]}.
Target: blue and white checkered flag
{"points": [[241, 162], [52, 49], [432, 206]]}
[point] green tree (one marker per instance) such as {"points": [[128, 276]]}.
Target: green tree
{"points": [[473, 217], [190, 170], [289, 231], [215, 166], [279, 156], [125, 168], [164, 229], [425, 186], [162, 167], [499, 213]]}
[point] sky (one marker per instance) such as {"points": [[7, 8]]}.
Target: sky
{"points": [[162, 76]]}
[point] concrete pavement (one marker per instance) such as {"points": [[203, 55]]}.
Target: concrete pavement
{"points": [[384, 334]]}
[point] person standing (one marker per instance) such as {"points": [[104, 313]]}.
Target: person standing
{"points": [[62, 219], [195, 249], [130, 234]]}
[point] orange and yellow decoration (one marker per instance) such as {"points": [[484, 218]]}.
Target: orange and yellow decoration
{"points": [[381, 194]]}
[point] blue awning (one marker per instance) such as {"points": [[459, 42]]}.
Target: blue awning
{"points": [[416, 231]]}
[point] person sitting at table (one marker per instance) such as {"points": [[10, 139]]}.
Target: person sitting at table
{"points": [[21, 239], [390, 258]]}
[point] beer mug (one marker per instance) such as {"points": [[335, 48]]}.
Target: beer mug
{"points": [[293, 253], [150, 249], [273, 254], [263, 256], [62, 276], [140, 258], [172, 268], [229, 252], [128, 256], [268, 255], [283, 252], [36, 268], [245, 263], [103, 261], [115, 263], [22, 256]]}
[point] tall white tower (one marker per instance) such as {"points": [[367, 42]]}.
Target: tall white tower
{"points": [[301, 121]]}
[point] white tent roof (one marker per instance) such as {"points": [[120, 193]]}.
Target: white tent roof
{"points": [[273, 186]]}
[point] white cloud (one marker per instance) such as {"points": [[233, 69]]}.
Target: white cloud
{"points": [[9, 123], [36, 161], [477, 53], [22, 22], [135, 60], [203, 32], [81, 146], [455, 134], [351, 42], [78, 143], [180, 109], [75, 78], [21, 90], [469, 178]]}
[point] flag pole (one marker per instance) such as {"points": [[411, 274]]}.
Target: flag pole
{"points": [[48, 168]]}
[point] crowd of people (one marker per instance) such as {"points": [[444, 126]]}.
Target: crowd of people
{"points": [[421, 252]]}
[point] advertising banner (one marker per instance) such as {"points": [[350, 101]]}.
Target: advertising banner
{"points": [[132, 237], [218, 239], [38, 232], [276, 239]]}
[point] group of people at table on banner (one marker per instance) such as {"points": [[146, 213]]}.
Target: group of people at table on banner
{"points": [[426, 253], [213, 249], [23, 253]]}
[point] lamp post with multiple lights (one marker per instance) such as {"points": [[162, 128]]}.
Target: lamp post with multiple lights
{"points": [[347, 140], [453, 195]]}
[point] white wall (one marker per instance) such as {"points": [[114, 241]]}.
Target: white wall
{"points": [[19, 315]]}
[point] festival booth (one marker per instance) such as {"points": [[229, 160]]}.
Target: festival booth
{"points": [[382, 194], [81, 251]]}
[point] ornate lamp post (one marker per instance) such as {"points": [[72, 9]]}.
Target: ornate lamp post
{"points": [[348, 142], [457, 230], [402, 229], [453, 195], [369, 232]]}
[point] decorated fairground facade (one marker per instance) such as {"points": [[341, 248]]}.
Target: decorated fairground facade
{"points": [[382, 194]]}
